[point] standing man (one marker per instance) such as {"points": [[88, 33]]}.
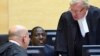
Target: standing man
{"points": [[18, 42], [78, 26]]}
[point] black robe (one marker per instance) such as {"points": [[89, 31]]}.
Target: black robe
{"points": [[67, 30], [11, 49]]}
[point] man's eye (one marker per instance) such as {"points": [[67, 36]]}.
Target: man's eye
{"points": [[82, 9]]}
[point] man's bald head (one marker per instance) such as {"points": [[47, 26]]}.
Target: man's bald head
{"points": [[17, 30], [19, 34]]}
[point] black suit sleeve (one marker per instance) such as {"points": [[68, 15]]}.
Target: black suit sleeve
{"points": [[61, 42], [98, 32]]}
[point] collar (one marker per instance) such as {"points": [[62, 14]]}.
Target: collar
{"points": [[83, 25], [12, 41], [86, 13]]}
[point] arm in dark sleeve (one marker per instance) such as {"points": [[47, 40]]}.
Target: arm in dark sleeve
{"points": [[61, 42], [98, 29], [98, 33]]}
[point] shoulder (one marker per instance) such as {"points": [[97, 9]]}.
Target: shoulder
{"points": [[4, 47], [16, 50], [66, 13], [49, 50], [95, 13], [66, 16], [49, 47], [94, 10]]}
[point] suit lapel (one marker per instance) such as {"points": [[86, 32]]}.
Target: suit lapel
{"points": [[74, 29]]}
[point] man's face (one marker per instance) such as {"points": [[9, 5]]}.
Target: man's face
{"points": [[26, 40], [39, 36], [78, 11]]}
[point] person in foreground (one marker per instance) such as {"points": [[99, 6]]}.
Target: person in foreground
{"points": [[18, 42], [38, 36], [78, 26]]}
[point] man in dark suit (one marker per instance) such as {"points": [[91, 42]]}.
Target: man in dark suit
{"points": [[78, 26], [18, 42]]}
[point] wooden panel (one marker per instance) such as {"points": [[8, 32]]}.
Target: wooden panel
{"points": [[31, 13], [3, 17], [44, 13], [95, 2]]}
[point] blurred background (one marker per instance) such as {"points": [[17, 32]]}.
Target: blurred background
{"points": [[31, 13]]}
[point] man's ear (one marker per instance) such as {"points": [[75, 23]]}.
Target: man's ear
{"points": [[24, 39]]}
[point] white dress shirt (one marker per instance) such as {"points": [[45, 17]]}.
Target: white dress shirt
{"points": [[83, 25]]}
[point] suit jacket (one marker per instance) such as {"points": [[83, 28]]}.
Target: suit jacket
{"points": [[49, 50], [66, 31], [11, 49]]}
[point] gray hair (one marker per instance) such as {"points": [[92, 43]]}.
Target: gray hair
{"points": [[84, 2]]}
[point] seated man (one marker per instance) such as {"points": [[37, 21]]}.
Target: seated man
{"points": [[18, 42], [38, 36]]}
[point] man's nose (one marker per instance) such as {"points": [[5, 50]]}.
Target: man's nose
{"points": [[41, 36]]}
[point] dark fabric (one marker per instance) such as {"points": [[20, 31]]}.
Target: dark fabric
{"points": [[3, 38], [79, 41], [11, 49], [67, 32], [49, 50]]}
